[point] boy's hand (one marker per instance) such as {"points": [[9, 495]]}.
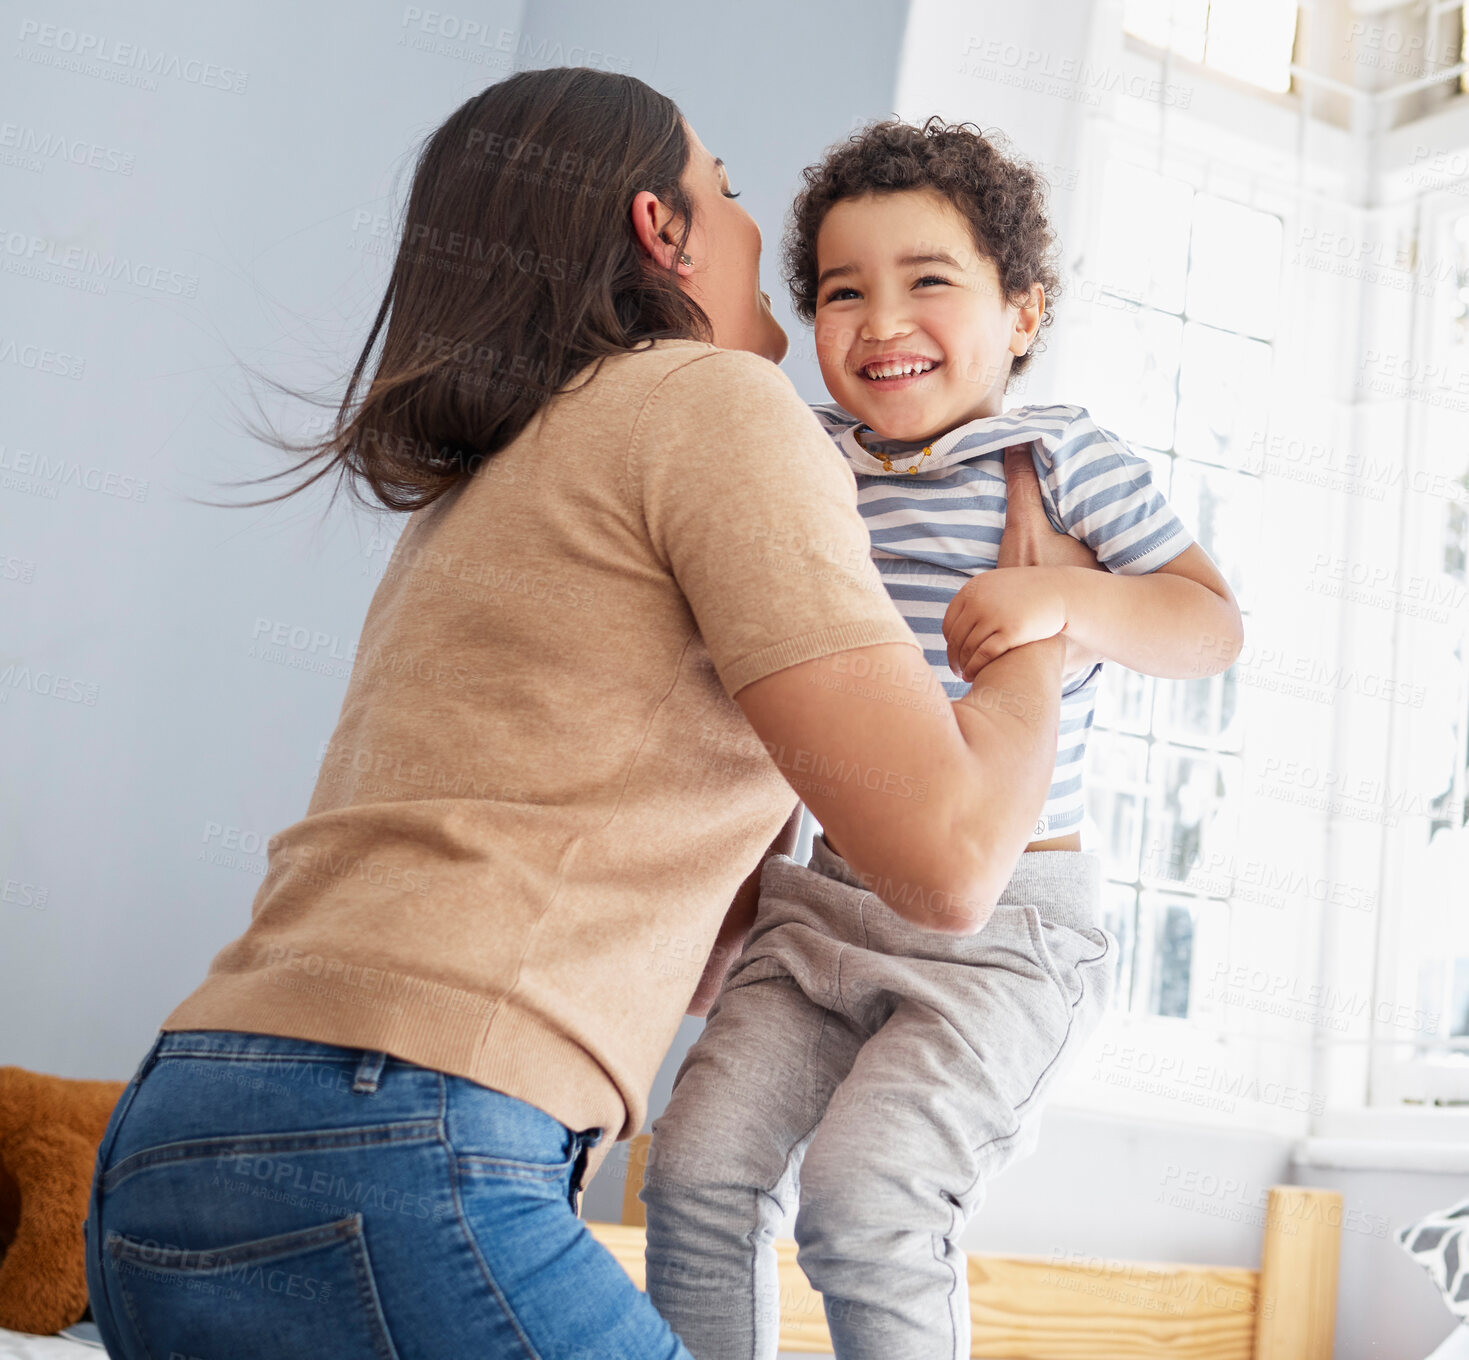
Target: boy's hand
{"points": [[1000, 609]]}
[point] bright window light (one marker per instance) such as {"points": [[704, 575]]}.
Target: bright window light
{"points": [[1143, 246], [1131, 383], [1234, 266], [1181, 26], [1252, 40], [1224, 392]]}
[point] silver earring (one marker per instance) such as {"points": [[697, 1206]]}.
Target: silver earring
{"points": [[684, 259]]}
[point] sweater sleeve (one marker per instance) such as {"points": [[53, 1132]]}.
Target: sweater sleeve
{"points": [[753, 510]]}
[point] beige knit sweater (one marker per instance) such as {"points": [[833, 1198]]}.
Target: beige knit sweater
{"points": [[540, 796]]}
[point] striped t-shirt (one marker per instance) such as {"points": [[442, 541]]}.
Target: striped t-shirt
{"points": [[935, 527]]}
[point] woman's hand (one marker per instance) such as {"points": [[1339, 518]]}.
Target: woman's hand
{"points": [[1028, 540]]}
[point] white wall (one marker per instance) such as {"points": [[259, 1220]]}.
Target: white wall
{"points": [[137, 804], [246, 201]]}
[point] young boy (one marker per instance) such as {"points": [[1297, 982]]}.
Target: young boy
{"points": [[871, 1073]]}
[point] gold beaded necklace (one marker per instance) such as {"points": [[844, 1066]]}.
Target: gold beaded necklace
{"points": [[887, 463]]}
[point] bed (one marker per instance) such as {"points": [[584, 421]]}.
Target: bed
{"points": [[1038, 1308], [72, 1344]]}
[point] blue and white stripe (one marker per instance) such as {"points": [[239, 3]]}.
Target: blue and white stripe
{"points": [[935, 527]]}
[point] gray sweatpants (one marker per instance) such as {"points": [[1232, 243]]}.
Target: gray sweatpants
{"points": [[874, 1075]]}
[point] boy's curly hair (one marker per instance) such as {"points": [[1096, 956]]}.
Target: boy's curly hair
{"points": [[1002, 198]]}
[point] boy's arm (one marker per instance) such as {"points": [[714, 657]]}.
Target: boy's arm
{"points": [[1180, 622], [1176, 619], [739, 918]]}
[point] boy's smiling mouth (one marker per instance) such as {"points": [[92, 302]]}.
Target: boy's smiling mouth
{"points": [[897, 370]]}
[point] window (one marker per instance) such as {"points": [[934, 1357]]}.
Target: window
{"points": [[1423, 1050], [1177, 363], [1252, 40]]}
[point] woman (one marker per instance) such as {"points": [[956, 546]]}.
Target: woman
{"points": [[365, 1131]]}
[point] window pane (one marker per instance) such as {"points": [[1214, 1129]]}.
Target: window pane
{"points": [[1142, 249], [1224, 511], [1223, 390], [1119, 915], [1190, 813], [1456, 540], [1130, 379], [1165, 955], [1253, 40], [1200, 712], [1459, 1007], [1124, 700], [1116, 787], [1459, 304], [1176, 24], [1234, 266]]}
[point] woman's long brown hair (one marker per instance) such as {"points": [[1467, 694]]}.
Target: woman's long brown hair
{"points": [[517, 267]]}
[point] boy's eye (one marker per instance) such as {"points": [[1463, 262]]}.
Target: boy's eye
{"points": [[929, 278], [839, 294]]}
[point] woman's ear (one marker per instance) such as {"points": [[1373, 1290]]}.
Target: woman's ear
{"points": [[651, 222]]}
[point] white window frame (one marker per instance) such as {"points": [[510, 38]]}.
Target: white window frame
{"points": [[1405, 1082]]}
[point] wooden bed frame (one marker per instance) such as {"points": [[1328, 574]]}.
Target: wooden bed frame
{"points": [[1035, 1308]]}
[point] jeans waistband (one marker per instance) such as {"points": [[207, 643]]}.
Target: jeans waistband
{"points": [[1062, 885], [243, 1044], [220, 1043], [369, 1063]]}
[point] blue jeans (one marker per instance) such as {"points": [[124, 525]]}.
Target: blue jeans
{"points": [[263, 1198]]}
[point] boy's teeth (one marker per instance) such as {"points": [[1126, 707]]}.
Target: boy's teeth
{"points": [[902, 370]]}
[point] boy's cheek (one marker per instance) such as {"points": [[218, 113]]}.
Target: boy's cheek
{"points": [[833, 370], [832, 343]]}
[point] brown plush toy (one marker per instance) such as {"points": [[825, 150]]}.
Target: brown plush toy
{"points": [[49, 1132]]}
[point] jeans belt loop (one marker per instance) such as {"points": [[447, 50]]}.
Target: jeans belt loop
{"points": [[369, 1071]]}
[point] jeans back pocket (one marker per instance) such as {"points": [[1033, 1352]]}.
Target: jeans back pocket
{"points": [[308, 1293]]}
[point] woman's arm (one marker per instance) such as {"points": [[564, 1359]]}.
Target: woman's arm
{"points": [[988, 796], [739, 919], [932, 801]]}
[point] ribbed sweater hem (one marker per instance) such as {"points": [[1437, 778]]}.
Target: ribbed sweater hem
{"points": [[519, 1054]]}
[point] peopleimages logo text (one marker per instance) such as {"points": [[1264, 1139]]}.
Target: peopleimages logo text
{"points": [[18, 245], [81, 47]]}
